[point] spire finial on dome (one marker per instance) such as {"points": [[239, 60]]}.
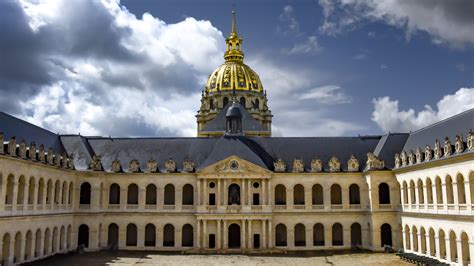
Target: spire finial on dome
{"points": [[234, 26], [234, 49]]}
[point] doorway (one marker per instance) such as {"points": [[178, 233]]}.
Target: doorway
{"points": [[234, 236], [256, 241]]}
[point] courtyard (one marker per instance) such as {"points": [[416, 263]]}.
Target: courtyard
{"points": [[160, 258]]}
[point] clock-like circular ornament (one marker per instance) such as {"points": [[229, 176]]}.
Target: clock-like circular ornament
{"points": [[234, 165]]}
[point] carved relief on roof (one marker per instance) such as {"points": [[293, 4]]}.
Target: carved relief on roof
{"points": [[316, 165], [116, 166], [437, 150], [334, 164], [32, 151], [22, 149], [470, 140], [279, 165], [404, 158], [41, 155], [459, 144], [170, 165], [49, 157], [95, 164], [448, 149], [411, 158], [152, 166], [398, 160], [419, 155], [428, 153], [12, 146], [134, 166], [298, 166], [374, 163], [188, 166], [353, 164]]}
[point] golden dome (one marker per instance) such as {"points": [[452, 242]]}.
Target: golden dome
{"points": [[233, 74]]}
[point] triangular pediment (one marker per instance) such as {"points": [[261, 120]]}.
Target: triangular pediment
{"points": [[234, 165]]}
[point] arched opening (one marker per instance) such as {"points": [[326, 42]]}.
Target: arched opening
{"points": [[405, 192], [256, 104], [114, 194], [300, 235], [318, 235], [28, 245], [85, 194], [336, 195], [168, 236], [113, 235], [150, 235], [64, 193], [47, 241], [83, 236], [57, 191], [442, 244], [71, 192], [429, 191], [471, 186], [415, 238], [386, 235], [69, 237], [132, 194], [55, 240], [225, 101], [62, 238], [439, 191], [461, 190], [453, 246], [234, 236], [38, 243], [412, 192], [384, 193], [169, 194], [39, 200], [49, 191], [298, 195], [234, 194], [421, 195], [280, 235], [466, 255], [242, 101], [131, 238], [337, 235], [6, 249], [21, 190], [407, 238], [317, 195], [187, 236], [150, 196], [432, 242], [354, 194], [423, 240], [17, 248], [188, 195], [9, 192], [356, 235], [280, 195], [449, 190]]}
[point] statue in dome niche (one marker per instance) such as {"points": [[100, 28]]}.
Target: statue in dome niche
{"points": [[234, 194]]}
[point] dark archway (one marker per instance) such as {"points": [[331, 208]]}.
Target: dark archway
{"points": [[168, 235], [113, 235], [298, 195], [336, 195], [354, 194], [234, 194], [337, 235], [318, 235], [169, 194], [234, 236], [386, 235], [280, 195], [132, 194], [356, 235], [280, 235], [150, 195], [150, 235], [188, 195], [300, 235], [131, 239], [114, 194], [83, 236], [85, 194], [225, 101], [187, 236], [317, 195], [384, 193], [242, 101]]}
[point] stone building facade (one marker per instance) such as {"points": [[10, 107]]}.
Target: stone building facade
{"points": [[236, 191]]}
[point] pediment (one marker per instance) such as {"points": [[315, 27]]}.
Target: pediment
{"points": [[234, 165]]}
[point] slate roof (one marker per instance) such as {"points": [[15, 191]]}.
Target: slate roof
{"points": [[248, 122]]}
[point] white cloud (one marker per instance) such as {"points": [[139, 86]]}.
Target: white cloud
{"points": [[309, 46], [330, 94], [446, 21], [383, 66], [389, 118], [290, 24]]}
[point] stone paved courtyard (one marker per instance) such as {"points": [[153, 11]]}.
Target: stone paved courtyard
{"points": [[156, 258]]}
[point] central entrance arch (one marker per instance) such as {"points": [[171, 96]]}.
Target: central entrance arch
{"points": [[234, 236]]}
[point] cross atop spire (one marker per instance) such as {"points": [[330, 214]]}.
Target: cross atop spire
{"points": [[234, 26], [234, 49]]}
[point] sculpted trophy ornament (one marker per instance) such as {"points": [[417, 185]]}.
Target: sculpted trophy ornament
{"points": [[170, 165], [57, 159], [470, 140], [298, 166], [22, 150], [353, 164], [404, 158], [49, 157], [41, 154], [32, 151], [316, 165], [95, 164], [65, 160], [428, 153], [411, 158], [188, 166], [374, 163], [279, 165], [70, 161], [12, 146], [334, 164], [459, 144], [419, 155], [448, 149], [437, 150], [398, 161], [116, 167], [152, 166], [134, 166]]}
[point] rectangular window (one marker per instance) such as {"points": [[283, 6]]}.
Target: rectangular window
{"points": [[256, 199], [212, 199]]}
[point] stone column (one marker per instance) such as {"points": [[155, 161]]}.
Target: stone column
{"points": [[140, 236], [198, 232], [250, 238], [123, 198], [3, 190], [459, 251], [438, 252], [249, 192], [290, 236], [455, 195], [35, 196], [467, 191], [141, 198], [270, 191], [178, 238], [199, 192], [15, 195], [345, 197], [219, 194], [308, 193], [204, 234], [434, 193], [219, 233], [95, 197], [404, 239], [264, 194], [226, 243], [402, 194], [33, 244], [226, 191], [123, 236], [409, 194], [417, 197], [243, 191], [11, 249], [447, 247], [445, 196], [428, 243], [159, 236], [204, 189], [289, 197], [26, 192], [179, 198], [243, 235], [425, 195], [270, 234], [264, 234], [327, 198], [309, 235]]}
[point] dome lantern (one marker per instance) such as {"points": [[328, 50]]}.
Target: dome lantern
{"points": [[234, 44]]}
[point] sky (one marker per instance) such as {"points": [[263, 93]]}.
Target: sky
{"points": [[330, 67]]}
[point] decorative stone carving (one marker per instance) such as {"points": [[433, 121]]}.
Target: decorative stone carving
{"points": [[353, 164], [22, 150], [134, 166], [459, 144], [411, 158], [57, 159], [298, 166], [116, 167], [419, 155], [70, 162], [41, 155], [404, 158], [316, 165], [95, 164], [2, 149], [170, 165], [470, 140], [398, 161], [374, 163], [32, 151], [49, 157], [152, 166], [437, 150], [279, 165], [428, 153], [12, 146], [65, 160], [334, 164], [448, 149], [188, 166]]}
